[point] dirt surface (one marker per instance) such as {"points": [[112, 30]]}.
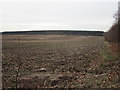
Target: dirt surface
{"points": [[62, 61]]}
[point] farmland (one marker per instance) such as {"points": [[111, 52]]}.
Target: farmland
{"points": [[63, 61]]}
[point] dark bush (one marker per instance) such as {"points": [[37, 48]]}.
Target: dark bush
{"points": [[114, 32]]}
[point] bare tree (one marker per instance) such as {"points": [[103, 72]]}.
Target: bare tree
{"points": [[19, 63], [113, 34]]}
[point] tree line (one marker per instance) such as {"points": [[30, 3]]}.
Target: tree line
{"points": [[114, 32]]}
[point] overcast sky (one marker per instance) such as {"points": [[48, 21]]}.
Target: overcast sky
{"points": [[57, 14]]}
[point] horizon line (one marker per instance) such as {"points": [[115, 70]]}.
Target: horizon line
{"points": [[51, 30]]}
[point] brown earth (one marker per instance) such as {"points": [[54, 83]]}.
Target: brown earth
{"points": [[48, 61]]}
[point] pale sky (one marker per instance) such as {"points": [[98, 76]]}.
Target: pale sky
{"points": [[18, 15]]}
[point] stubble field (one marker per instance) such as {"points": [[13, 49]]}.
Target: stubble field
{"points": [[48, 61]]}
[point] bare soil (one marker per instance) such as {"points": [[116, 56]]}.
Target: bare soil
{"points": [[62, 61]]}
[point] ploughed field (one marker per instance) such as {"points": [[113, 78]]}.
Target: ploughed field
{"points": [[47, 61]]}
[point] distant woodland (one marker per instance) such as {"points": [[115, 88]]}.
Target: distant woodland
{"points": [[59, 32]]}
